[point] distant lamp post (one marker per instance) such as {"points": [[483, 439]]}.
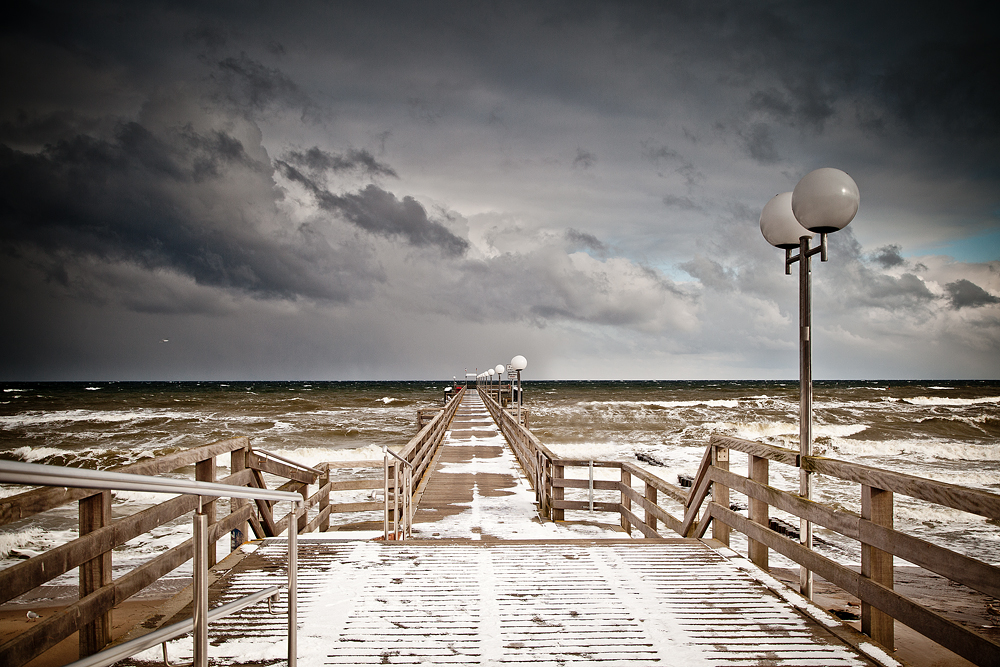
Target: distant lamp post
{"points": [[823, 202], [490, 374], [518, 364], [499, 369]]}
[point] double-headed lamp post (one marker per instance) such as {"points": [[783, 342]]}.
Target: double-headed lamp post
{"points": [[518, 364], [823, 202]]}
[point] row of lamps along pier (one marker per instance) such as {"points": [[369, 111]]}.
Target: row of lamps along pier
{"points": [[516, 365]]}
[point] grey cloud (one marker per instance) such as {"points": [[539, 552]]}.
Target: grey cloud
{"points": [[711, 273], [966, 294], [585, 240], [249, 83], [584, 159], [947, 87], [888, 256], [320, 161], [380, 212], [683, 203], [758, 143], [135, 199]]}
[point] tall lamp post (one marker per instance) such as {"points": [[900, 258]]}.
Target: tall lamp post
{"points": [[499, 369], [518, 364], [489, 387], [823, 202]]}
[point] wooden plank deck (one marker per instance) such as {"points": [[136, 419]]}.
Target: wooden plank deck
{"points": [[487, 599], [445, 602]]}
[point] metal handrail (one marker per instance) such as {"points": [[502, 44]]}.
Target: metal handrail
{"points": [[14, 472], [406, 494], [163, 635], [36, 474]]}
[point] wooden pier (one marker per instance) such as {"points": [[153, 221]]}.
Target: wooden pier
{"points": [[496, 574]]}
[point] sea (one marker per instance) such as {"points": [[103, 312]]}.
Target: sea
{"points": [[941, 430]]}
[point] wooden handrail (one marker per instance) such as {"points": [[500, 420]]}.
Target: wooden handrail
{"points": [[706, 504]]}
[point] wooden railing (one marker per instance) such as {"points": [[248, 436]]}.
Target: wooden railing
{"points": [[690, 513], [92, 551]]}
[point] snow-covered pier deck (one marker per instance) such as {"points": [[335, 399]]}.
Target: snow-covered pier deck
{"points": [[485, 581]]}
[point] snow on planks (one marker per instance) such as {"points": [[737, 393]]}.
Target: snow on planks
{"points": [[489, 603]]}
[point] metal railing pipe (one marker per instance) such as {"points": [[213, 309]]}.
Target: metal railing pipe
{"points": [[115, 653], [200, 588], [36, 474]]}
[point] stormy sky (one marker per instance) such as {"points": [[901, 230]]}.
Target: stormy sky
{"points": [[380, 190]]}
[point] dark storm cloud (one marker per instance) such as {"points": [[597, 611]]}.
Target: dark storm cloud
{"points": [[966, 294], [380, 212], [757, 141], [888, 256], [133, 199], [248, 83], [320, 161]]}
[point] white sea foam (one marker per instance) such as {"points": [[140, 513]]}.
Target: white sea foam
{"points": [[17, 391], [93, 388], [387, 400], [951, 402], [31, 454], [926, 449]]}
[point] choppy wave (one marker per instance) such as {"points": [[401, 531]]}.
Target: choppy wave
{"points": [[950, 402], [923, 449]]}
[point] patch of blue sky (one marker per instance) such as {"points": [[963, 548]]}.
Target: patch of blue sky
{"points": [[979, 248]]}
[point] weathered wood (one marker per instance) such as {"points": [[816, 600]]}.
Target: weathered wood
{"points": [[56, 627], [633, 520], [675, 492], [757, 469], [264, 507], [599, 484], [264, 464], [957, 567], [95, 513], [626, 502], [957, 497], [841, 521], [560, 505], [204, 471], [720, 492], [876, 507], [353, 464], [703, 482], [585, 463], [340, 508], [653, 510], [759, 449], [32, 502], [650, 494], [558, 512], [237, 464], [24, 576], [322, 517]]}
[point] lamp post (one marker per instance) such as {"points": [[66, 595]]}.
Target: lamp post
{"points": [[489, 388], [499, 369], [518, 364], [823, 202]]}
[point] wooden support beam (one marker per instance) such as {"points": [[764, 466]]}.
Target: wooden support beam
{"points": [[876, 506], [204, 471], [95, 513], [758, 510], [720, 492]]}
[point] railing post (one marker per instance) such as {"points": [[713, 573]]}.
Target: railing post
{"points": [[558, 514], [651, 497], [95, 512], [758, 511], [293, 592], [876, 506], [238, 463], [720, 493], [626, 501], [204, 471], [200, 588], [324, 499]]}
